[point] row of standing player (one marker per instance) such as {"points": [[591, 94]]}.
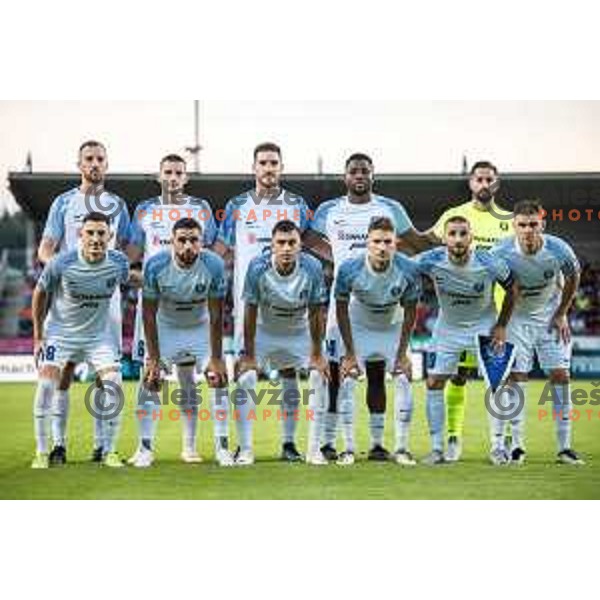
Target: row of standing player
{"points": [[337, 232]]}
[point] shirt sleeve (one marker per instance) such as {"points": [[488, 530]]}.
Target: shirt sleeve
{"points": [[251, 289], [500, 270], [343, 282], [124, 224], [217, 287], [412, 291], [304, 222], [569, 264], [137, 234], [55, 224], [318, 290], [124, 269], [319, 221], [50, 277], [210, 226], [402, 221], [228, 226], [151, 290]]}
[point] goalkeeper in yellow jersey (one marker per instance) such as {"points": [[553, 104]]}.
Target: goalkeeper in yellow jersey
{"points": [[489, 224]]}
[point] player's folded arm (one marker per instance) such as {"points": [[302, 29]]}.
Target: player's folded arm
{"points": [[318, 246]]}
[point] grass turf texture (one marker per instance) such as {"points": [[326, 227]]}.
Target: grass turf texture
{"points": [[473, 478]]}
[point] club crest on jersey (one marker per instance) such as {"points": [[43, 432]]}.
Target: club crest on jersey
{"points": [[111, 282], [200, 288], [479, 287], [251, 237], [548, 274], [396, 291], [503, 226]]}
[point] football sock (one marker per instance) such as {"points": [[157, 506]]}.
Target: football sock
{"points": [[243, 406], [331, 417], [148, 411], [318, 405], [436, 416], [346, 412], [98, 423], [290, 405], [403, 410], [42, 403], [220, 416], [113, 395], [456, 398], [518, 422], [376, 400], [189, 407], [561, 398], [376, 428], [58, 417]]}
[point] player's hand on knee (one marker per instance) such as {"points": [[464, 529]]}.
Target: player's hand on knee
{"points": [[403, 366], [216, 373], [560, 323], [152, 378], [498, 338], [320, 364], [245, 364], [349, 367]]}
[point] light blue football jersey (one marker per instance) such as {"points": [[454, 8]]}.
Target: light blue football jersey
{"points": [[152, 224], [540, 276], [247, 227], [345, 225], [65, 218], [375, 299], [283, 300], [183, 294], [81, 294], [464, 292]]}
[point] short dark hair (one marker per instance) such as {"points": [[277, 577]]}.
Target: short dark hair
{"points": [[187, 223], [285, 226], [381, 224], [456, 219], [483, 164], [359, 156], [97, 217], [91, 144], [528, 207], [267, 147], [172, 158]]}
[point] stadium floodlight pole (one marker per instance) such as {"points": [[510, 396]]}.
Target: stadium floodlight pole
{"points": [[196, 148]]}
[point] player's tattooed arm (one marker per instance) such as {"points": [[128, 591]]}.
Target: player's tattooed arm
{"points": [[560, 321], [403, 363], [46, 250], [315, 320], [414, 242], [39, 307], [225, 252], [318, 246]]}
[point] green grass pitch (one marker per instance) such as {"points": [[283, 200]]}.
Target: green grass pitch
{"points": [[474, 478]]}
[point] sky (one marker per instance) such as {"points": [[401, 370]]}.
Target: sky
{"points": [[401, 136]]}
